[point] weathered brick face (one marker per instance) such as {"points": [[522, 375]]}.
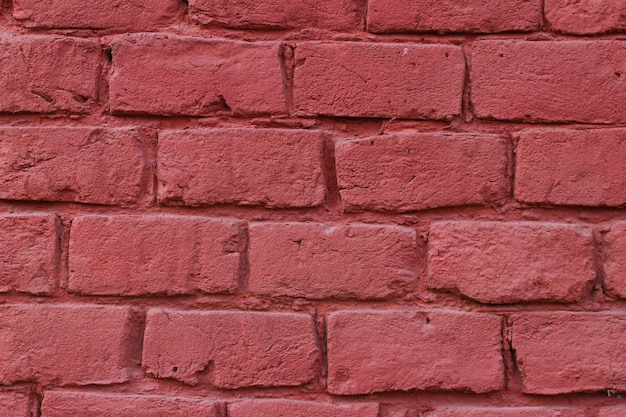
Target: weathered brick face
{"points": [[312, 208]]}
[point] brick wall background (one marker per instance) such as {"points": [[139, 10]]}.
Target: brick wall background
{"points": [[382, 208]]}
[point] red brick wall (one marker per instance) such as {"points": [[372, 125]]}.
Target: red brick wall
{"points": [[313, 208]]}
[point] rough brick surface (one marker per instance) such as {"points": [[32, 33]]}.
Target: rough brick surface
{"points": [[271, 167], [280, 14], [13, 404], [379, 80], [88, 404], [508, 412], [571, 167], [254, 408], [453, 16], [96, 14], [612, 411], [133, 255], [322, 261], [280, 348], [65, 344], [371, 351], [585, 16], [579, 81], [407, 172], [615, 263], [45, 74], [565, 352], [30, 253], [510, 262], [167, 75], [87, 165]]}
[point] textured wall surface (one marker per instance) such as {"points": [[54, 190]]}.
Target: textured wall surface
{"points": [[313, 208]]}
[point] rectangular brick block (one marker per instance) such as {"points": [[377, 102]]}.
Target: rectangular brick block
{"points": [[482, 16], [116, 15], [379, 80], [15, 404], [615, 263], [231, 349], [255, 408], [173, 75], [563, 352], [579, 81], [494, 262], [319, 261], [91, 404], [268, 167], [507, 412], [66, 344], [157, 254], [374, 351], [82, 164], [584, 17], [30, 253], [571, 167], [405, 172], [44, 74], [344, 15]]}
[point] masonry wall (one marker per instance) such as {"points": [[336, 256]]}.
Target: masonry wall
{"points": [[383, 208]]}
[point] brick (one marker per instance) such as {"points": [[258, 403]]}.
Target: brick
{"points": [[341, 15], [481, 16], [493, 262], [268, 167], [45, 74], [230, 349], [584, 17], [563, 352], [154, 254], [133, 15], [615, 262], [507, 412], [611, 411], [579, 81], [374, 351], [571, 167], [405, 172], [88, 404], [30, 253], [173, 75], [254, 408], [319, 261], [65, 344], [15, 404], [379, 80], [81, 164]]}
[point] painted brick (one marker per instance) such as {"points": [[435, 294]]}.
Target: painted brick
{"points": [[373, 351], [269, 167], [615, 262], [611, 411], [453, 16], [582, 17], [549, 81], [343, 15], [497, 262], [173, 75], [82, 164], [182, 344], [96, 14], [563, 352], [379, 80], [65, 344], [30, 253], [157, 254], [319, 261], [507, 412], [254, 408], [45, 74], [571, 167], [91, 404], [15, 404], [405, 172]]}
